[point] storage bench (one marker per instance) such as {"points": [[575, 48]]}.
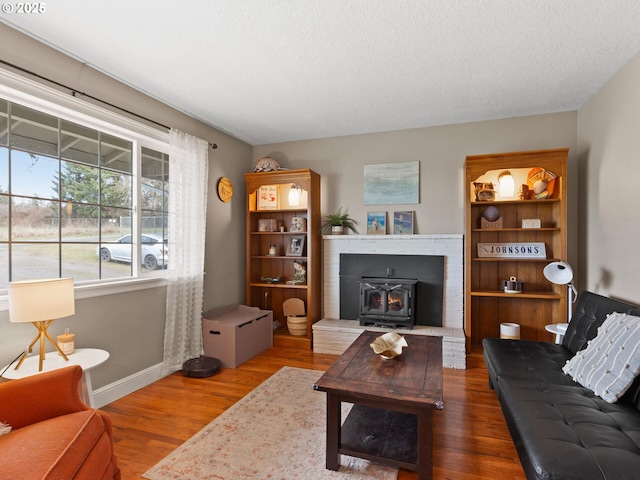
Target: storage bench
{"points": [[236, 333]]}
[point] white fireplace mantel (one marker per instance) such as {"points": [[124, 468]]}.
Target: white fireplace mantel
{"points": [[449, 246], [332, 335]]}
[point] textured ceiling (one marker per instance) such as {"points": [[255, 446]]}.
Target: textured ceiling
{"points": [[268, 71]]}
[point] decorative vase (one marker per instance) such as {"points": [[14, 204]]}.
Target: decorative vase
{"points": [[337, 230]]}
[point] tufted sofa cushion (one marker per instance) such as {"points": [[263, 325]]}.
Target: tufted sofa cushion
{"points": [[525, 359], [567, 432], [591, 310]]}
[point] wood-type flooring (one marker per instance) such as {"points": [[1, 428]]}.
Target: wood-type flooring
{"points": [[471, 439]]}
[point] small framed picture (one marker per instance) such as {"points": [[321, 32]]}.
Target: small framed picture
{"points": [[268, 197], [403, 223], [295, 248], [267, 225], [376, 223]]}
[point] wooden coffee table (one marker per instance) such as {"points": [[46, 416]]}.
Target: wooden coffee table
{"points": [[391, 420]]}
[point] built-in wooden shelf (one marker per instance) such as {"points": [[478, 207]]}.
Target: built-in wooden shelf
{"points": [[541, 302], [271, 296]]}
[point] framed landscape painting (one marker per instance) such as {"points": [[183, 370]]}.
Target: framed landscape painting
{"points": [[392, 183]]}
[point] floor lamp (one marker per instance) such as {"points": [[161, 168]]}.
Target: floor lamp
{"points": [[40, 302], [560, 273]]}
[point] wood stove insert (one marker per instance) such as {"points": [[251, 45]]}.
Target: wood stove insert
{"points": [[387, 302]]}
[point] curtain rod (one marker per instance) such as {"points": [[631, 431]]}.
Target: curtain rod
{"points": [[75, 92]]}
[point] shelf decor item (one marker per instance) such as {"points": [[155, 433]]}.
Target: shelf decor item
{"points": [[513, 285], [267, 225], [298, 224], [510, 331], [299, 273], [296, 246], [376, 223], [484, 191], [403, 223], [339, 219], [512, 250], [266, 164], [293, 309], [541, 183], [491, 218], [268, 197], [530, 223]]}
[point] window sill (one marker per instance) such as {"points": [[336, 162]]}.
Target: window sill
{"points": [[106, 288]]}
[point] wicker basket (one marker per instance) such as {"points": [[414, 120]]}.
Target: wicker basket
{"points": [[297, 325]]}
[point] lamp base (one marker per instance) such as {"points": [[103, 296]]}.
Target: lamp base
{"points": [[41, 335]]}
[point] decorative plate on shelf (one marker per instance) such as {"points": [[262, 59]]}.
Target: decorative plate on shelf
{"points": [[225, 189]]}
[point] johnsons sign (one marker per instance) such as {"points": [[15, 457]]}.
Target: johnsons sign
{"points": [[512, 250]]}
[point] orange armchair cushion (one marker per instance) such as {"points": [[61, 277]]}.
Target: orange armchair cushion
{"points": [[40, 397], [55, 435]]}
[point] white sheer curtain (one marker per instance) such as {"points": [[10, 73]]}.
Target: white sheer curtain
{"points": [[188, 167]]}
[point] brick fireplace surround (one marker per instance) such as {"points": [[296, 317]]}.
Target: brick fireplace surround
{"points": [[333, 335]]}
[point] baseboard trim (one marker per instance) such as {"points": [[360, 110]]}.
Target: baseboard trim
{"points": [[125, 386]]}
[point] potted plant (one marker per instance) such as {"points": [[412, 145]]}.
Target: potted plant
{"points": [[337, 222]]}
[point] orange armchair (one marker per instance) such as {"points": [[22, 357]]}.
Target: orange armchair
{"points": [[54, 434]]}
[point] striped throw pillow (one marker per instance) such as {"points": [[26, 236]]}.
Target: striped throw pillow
{"points": [[610, 362]]}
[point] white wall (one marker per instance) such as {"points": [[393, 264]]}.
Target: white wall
{"points": [[131, 326], [441, 152], [609, 158]]}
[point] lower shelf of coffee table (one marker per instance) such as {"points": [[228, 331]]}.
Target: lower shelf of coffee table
{"points": [[382, 435]]}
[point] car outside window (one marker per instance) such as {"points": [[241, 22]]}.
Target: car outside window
{"points": [[69, 195]]}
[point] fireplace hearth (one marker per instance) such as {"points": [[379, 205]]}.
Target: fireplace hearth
{"points": [[386, 302]]}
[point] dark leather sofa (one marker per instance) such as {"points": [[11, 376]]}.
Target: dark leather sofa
{"points": [[561, 430]]}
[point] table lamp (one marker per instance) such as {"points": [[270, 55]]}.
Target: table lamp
{"points": [[560, 273], [41, 302]]}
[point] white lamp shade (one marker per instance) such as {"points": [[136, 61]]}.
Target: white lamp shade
{"points": [[506, 184], [294, 195], [559, 273], [40, 300]]}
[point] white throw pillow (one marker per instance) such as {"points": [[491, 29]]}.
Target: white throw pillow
{"points": [[611, 361]]}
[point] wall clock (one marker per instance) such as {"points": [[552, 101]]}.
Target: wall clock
{"points": [[225, 189]]}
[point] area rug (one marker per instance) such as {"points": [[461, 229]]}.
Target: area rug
{"points": [[276, 432]]}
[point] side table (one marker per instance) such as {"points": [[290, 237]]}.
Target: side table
{"points": [[558, 329], [87, 358]]}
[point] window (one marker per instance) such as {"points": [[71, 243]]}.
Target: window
{"points": [[79, 201]]}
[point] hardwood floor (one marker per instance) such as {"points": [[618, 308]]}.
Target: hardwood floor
{"points": [[471, 440]]}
